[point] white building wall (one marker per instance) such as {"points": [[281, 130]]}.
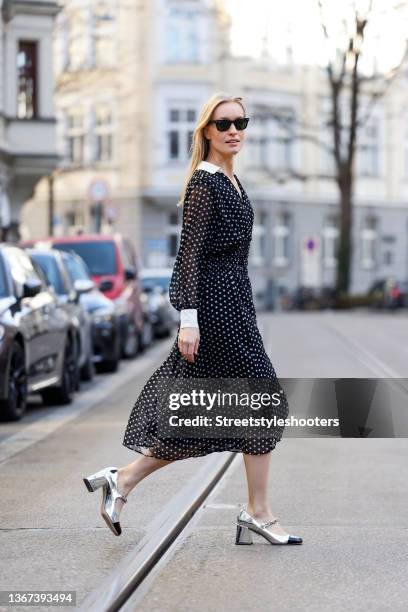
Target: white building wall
{"points": [[29, 144]]}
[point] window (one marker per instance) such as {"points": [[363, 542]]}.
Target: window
{"points": [[174, 148], [99, 256], [150, 282], [181, 42], [258, 247], [130, 249], [281, 230], [330, 241], [388, 258], [104, 24], [76, 268], [75, 136], [181, 123], [271, 139], [282, 143], [21, 268], [27, 80], [257, 142], [368, 151], [369, 237], [127, 255], [51, 272], [389, 240], [103, 133]]}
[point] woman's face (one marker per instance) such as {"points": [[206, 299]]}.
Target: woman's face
{"points": [[231, 141]]}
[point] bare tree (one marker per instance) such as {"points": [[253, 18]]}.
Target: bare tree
{"points": [[348, 85], [353, 95]]}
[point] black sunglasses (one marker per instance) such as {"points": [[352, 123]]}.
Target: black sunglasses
{"points": [[223, 125]]}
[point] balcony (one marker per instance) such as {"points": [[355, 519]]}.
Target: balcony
{"points": [[32, 144]]}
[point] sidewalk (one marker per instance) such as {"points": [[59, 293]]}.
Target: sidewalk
{"points": [[347, 498], [52, 536]]}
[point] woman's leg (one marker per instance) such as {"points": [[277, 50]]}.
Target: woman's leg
{"points": [[130, 475], [257, 473]]}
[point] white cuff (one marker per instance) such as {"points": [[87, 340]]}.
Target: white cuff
{"points": [[188, 318]]}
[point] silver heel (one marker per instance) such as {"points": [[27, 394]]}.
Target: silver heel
{"points": [[244, 536], [94, 481], [245, 520], [108, 479]]}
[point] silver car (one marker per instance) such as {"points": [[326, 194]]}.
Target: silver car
{"points": [[54, 267]]}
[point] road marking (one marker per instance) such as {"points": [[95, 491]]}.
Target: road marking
{"points": [[366, 357], [85, 401]]}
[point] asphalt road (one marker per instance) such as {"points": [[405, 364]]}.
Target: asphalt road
{"points": [[346, 497]]}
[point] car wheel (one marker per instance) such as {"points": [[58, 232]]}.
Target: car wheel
{"points": [[13, 408], [88, 370], [65, 392], [167, 332], [146, 337], [132, 342], [77, 372], [111, 365]]}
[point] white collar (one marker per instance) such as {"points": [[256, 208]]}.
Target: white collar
{"points": [[204, 165]]}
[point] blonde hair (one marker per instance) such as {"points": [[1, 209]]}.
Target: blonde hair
{"points": [[200, 146]]}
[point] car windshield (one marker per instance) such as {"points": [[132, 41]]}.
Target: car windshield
{"points": [[99, 256], [149, 282], [76, 268], [49, 266]]}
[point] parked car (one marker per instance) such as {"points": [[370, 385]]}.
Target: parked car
{"points": [[113, 266], [105, 317], [389, 293], [54, 266], [37, 343], [155, 283]]}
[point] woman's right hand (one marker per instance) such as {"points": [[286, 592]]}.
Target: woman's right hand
{"points": [[188, 341]]}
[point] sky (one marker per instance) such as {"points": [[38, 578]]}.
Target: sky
{"points": [[297, 22]]}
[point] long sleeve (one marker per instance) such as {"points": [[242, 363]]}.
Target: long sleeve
{"points": [[188, 318], [198, 213]]}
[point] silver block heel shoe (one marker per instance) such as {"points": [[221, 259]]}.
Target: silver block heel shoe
{"points": [[247, 524], [107, 478]]}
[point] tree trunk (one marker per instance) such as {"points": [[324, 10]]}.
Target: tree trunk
{"points": [[344, 254]]}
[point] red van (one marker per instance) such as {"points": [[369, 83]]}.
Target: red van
{"points": [[113, 265]]}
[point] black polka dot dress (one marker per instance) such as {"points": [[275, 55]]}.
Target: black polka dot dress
{"points": [[210, 275]]}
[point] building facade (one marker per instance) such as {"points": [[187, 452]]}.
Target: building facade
{"points": [[109, 104], [27, 120], [131, 79], [287, 174]]}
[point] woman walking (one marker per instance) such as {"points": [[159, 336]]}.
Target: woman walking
{"points": [[218, 337]]}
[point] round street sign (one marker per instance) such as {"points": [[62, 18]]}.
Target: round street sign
{"points": [[98, 190]]}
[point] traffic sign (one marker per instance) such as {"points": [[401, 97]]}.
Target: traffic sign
{"points": [[98, 190]]}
